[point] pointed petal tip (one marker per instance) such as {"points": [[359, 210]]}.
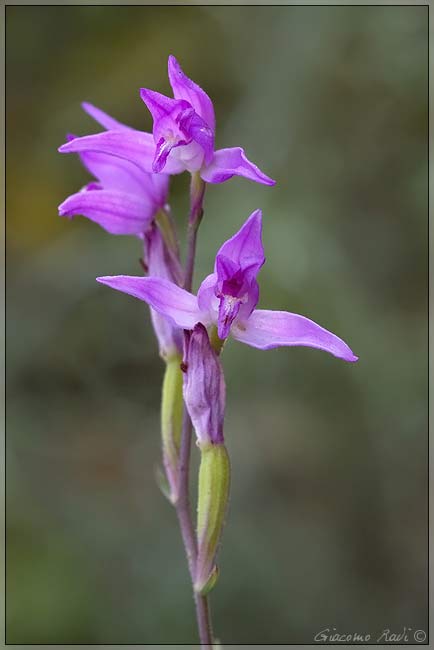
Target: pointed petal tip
{"points": [[105, 279], [256, 216]]}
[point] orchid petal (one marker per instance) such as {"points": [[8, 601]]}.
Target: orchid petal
{"points": [[159, 105], [119, 174], [135, 146], [103, 118], [233, 162], [197, 129], [228, 311], [185, 88], [164, 296], [206, 297], [244, 249], [118, 213], [270, 329]]}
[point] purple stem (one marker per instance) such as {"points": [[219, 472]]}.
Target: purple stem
{"points": [[183, 510], [197, 191]]}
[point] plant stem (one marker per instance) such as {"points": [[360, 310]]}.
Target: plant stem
{"points": [[187, 531], [197, 191], [183, 511]]}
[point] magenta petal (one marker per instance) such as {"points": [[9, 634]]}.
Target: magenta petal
{"points": [[185, 88], [271, 329], [164, 296], [119, 174], [135, 146], [233, 162], [117, 212], [102, 118], [195, 128], [245, 248], [159, 105]]}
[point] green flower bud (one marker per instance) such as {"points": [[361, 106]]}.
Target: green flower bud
{"points": [[214, 480], [171, 422]]}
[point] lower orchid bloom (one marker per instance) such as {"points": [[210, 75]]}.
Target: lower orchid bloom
{"points": [[124, 199], [227, 299], [182, 139]]}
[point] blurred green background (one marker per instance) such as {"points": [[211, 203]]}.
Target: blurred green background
{"points": [[328, 516]]}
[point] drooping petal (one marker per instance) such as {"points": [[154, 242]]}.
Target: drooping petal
{"points": [[135, 146], [185, 88], [102, 118], [118, 213], [204, 387], [119, 174], [164, 296], [244, 249], [270, 329], [233, 162]]}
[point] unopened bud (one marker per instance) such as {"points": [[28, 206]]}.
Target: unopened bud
{"points": [[214, 480], [171, 422]]}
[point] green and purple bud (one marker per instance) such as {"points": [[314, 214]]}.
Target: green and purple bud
{"points": [[171, 423], [204, 396]]}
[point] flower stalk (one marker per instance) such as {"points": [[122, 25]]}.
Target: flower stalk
{"points": [[197, 192]]}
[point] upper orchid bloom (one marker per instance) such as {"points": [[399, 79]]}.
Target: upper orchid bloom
{"points": [[124, 199], [182, 139], [227, 299]]}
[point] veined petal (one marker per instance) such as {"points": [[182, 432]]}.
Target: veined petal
{"points": [[233, 162], [228, 311], [135, 146], [118, 213], [102, 118], [164, 296], [270, 329], [245, 248], [119, 174], [185, 88]]}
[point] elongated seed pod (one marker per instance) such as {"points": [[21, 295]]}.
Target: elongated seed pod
{"points": [[171, 422], [214, 481]]}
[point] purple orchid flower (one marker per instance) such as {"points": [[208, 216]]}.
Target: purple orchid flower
{"points": [[227, 299], [124, 199], [182, 139]]}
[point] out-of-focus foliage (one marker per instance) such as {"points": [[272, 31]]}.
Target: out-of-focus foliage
{"points": [[327, 522]]}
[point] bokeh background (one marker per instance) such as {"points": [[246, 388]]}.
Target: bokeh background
{"points": [[328, 518]]}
